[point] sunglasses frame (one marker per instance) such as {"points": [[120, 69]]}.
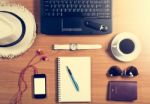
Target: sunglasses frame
{"points": [[131, 71]]}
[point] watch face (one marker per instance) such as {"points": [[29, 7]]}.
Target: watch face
{"points": [[73, 47]]}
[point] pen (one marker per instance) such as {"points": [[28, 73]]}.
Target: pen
{"points": [[73, 79]]}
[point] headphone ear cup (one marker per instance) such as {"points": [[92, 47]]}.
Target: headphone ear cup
{"points": [[132, 71], [114, 71]]}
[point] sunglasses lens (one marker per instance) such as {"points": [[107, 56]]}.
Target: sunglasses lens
{"points": [[132, 71], [114, 71]]}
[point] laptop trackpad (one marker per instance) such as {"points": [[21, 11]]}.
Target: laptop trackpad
{"points": [[71, 24]]}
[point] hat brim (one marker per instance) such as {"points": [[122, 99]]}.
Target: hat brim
{"points": [[30, 33]]}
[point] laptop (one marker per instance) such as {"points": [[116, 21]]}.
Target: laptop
{"points": [[76, 17]]}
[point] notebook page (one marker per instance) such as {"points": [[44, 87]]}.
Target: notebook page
{"points": [[81, 70]]}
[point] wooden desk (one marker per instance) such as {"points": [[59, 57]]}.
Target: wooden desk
{"points": [[128, 15]]}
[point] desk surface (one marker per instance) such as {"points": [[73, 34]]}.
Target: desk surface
{"points": [[128, 15]]}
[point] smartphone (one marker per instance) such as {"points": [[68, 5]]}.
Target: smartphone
{"points": [[39, 86]]}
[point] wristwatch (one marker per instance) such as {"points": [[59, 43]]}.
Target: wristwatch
{"points": [[75, 46]]}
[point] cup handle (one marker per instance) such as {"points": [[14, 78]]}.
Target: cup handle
{"points": [[114, 46]]}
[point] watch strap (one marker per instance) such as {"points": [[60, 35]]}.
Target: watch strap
{"points": [[76, 46]]}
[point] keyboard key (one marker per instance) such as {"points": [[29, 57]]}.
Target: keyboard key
{"points": [[77, 8]]}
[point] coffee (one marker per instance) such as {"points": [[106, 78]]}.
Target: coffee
{"points": [[127, 46]]}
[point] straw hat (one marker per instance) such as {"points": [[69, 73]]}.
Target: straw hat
{"points": [[17, 30]]}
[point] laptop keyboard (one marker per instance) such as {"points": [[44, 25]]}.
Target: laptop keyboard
{"points": [[77, 8]]}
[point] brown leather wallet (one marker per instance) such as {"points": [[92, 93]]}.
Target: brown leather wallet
{"points": [[122, 90]]}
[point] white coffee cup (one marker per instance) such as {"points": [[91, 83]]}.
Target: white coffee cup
{"points": [[130, 54], [118, 48]]}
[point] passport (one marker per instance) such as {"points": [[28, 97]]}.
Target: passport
{"points": [[122, 90]]}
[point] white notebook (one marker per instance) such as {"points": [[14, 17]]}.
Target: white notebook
{"points": [[80, 68]]}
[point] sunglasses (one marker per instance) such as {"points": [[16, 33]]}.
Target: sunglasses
{"points": [[131, 71]]}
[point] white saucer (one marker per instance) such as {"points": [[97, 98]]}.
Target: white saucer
{"points": [[121, 56]]}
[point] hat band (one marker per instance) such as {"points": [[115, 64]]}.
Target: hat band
{"points": [[22, 34]]}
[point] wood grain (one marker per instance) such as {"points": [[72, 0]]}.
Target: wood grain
{"points": [[128, 16]]}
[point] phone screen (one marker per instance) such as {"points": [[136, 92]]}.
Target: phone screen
{"points": [[39, 86]]}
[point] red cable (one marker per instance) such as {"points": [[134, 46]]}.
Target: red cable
{"points": [[17, 98]]}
